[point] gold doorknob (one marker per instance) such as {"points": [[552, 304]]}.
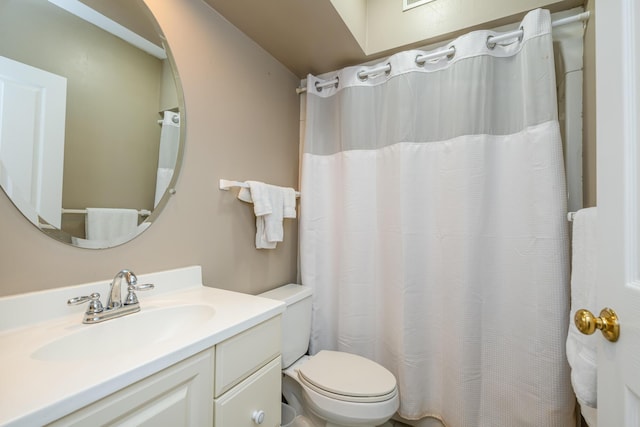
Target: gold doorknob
{"points": [[608, 324]]}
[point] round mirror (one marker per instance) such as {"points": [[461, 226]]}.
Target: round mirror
{"points": [[91, 117]]}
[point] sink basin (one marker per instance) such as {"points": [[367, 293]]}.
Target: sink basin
{"points": [[125, 334]]}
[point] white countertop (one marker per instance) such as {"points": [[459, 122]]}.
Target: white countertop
{"points": [[36, 392]]}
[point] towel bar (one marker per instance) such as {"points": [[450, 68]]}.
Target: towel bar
{"points": [[226, 184], [141, 212]]}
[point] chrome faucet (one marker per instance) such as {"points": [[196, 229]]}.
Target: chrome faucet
{"points": [[115, 291], [115, 307]]}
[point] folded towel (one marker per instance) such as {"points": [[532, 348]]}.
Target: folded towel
{"points": [[270, 204], [265, 197], [581, 349], [245, 195], [102, 244], [289, 195], [110, 224]]}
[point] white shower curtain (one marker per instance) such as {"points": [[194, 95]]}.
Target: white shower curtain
{"points": [[433, 229]]}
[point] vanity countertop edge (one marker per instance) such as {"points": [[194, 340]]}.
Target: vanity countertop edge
{"points": [[36, 392]]}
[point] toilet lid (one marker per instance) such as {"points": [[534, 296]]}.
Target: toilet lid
{"points": [[348, 375]]}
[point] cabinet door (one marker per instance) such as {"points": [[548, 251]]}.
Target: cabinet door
{"points": [[240, 356], [181, 395], [259, 392]]}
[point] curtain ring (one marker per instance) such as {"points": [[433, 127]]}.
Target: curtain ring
{"points": [[319, 86], [490, 44], [364, 76], [452, 54]]}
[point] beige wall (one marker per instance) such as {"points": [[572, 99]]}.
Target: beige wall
{"points": [[354, 15], [241, 123]]}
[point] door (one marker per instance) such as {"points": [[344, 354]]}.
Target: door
{"points": [[618, 138], [32, 125]]}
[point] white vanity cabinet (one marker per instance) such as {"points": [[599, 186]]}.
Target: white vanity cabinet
{"points": [[234, 384], [248, 377], [180, 395]]}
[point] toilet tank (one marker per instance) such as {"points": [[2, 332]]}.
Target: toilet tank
{"points": [[296, 320]]}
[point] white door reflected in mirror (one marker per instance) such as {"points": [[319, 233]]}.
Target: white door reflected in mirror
{"points": [[32, 124]]}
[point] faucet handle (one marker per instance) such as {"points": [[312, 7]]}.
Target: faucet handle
{"points": [[144, 287], [131, 296], [95, 306]]}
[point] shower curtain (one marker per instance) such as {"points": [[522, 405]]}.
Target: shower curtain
{"points": [[433, 228]]}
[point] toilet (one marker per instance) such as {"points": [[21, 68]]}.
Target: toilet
{"points": [[331, 388]]}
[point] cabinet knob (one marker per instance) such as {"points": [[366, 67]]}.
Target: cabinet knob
{"points": [[258, 417]]}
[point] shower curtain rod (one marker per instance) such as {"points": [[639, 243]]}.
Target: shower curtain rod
{"points": [[450, 52]]}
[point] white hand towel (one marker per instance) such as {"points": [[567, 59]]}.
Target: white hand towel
{"points": [[581, 349], [265, 197], [268, 205], [271, 204], [245, 195], [110, 224], [289, 202]]}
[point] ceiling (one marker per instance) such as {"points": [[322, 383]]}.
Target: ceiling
{"points": [[307, 36], [310, 36]]}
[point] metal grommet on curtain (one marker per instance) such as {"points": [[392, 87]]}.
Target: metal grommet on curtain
{"points": [[452, 54], [364, 74], [493, 40], [328, 83], [490, 44], [434, 57]]}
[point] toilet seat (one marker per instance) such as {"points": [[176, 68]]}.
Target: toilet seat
{"points": [[347, 377]]}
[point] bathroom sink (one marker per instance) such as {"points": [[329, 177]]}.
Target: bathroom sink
{"points": [[80, 364], [126, 334]]}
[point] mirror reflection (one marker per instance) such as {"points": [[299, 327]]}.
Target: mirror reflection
{"points": [[90, 124]]}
